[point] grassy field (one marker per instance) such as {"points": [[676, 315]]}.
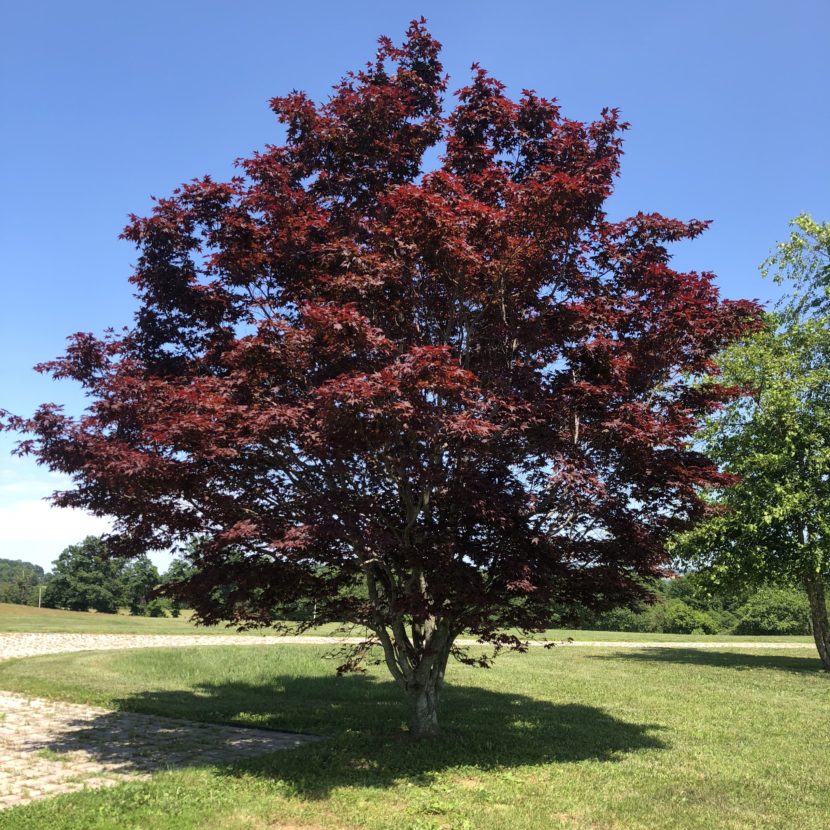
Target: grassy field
{"points": [[670, 739], [21, 618], [24, 618]]}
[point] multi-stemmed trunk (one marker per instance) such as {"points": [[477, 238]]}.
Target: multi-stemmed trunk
{"points": [[415, 647], [818, 616], [418, 664]]}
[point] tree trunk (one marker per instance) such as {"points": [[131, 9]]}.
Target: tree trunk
{"points": [[423, 711], [417, 663], [419, 675], [818, 616]]}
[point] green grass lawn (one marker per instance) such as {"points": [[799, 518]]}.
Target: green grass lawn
{"points": [[24, 618], [20, 618], [551, 739]]}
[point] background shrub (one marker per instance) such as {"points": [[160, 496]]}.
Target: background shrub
{"points": [[774, 611], [620, 619], [674, 616], [156, 608]]}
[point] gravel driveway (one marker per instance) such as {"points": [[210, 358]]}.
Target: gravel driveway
{"points": [[32, 645]]}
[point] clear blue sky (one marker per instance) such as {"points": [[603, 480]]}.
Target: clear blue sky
{"points": [[105, 104]]}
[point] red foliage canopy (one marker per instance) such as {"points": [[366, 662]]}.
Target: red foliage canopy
{"points": [[465, 388]]}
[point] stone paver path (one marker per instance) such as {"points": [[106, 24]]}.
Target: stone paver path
{"points": [[49, 747]]}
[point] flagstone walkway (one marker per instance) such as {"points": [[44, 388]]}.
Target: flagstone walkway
{"points": [[49, 747]]}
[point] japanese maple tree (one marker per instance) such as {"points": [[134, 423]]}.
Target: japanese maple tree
{"points": [[465, 389]]}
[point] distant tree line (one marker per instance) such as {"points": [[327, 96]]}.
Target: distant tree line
{"points": [[19, 581], [687, 604], [692, 604], [86, 579]]}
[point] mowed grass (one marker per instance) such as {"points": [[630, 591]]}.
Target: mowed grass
{"points": [[24, 618], [564, 738]]}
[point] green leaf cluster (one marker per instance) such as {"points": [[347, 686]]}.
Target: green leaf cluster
{"points": [[774, 523]]}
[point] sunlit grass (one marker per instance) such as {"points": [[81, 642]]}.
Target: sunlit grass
{"points": [[552, 739], [24, 618]]}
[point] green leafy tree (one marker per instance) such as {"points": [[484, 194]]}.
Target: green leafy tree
{"points": [[720, 601], [138, 578], [19, 581], [676, 617], [774, 523], [84, 578], [11, 569], [181, 569], [155, 608], [774, 610]]}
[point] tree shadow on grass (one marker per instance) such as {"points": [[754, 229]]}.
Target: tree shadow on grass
{"points": [[719, 659], [366, 744]]}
